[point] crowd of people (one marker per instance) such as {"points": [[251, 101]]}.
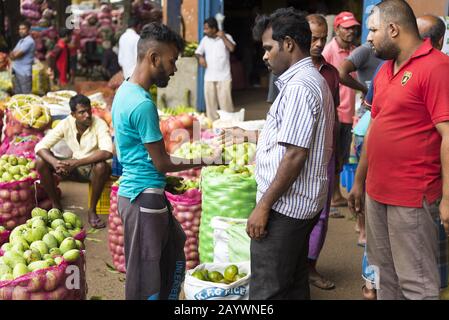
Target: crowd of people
{"points": [[400, 135]]}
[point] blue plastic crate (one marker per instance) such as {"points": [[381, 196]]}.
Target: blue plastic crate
{"points": [[347, 175], [117, 168]]}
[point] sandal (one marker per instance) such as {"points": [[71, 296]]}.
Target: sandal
{"points": [[336, 214], [97, 223], [321, 283]]}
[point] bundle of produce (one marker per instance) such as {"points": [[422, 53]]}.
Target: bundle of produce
{"points": [[227, 191], [34, 262], [186, 202], [40, 79], [22, 146], [218, 281], [30, 111], [17, 196], [15, 128], [177, 130], [189, 50], [5, 81], [116, 239], [31, 10]]}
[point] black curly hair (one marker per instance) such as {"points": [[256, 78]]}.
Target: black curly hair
{"points": [[285, 22], [158, 32]]}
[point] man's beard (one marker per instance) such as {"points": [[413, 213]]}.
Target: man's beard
{"points": [[162, 79]]}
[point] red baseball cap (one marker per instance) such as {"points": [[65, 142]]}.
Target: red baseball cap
{"points": [[346, 20]]}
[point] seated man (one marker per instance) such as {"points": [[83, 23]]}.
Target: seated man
{"points": [[90, 141]]}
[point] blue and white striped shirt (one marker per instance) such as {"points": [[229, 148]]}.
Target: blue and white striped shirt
{"points": [[302, 115]]}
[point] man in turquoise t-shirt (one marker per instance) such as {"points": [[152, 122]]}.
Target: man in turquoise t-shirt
{"points": [[154, 240]]}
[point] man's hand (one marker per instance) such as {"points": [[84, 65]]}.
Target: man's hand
{"points": [[60, 167], [355, 199], [71, 165], [202, 62], [257, 223], [221, 34], [444, 214]]}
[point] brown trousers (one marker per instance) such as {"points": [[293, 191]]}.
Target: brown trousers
{"points": [[402, 243], [218, 94]]}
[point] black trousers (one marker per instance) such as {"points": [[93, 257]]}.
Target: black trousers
{"points": [[279, 266], [154, 247]]}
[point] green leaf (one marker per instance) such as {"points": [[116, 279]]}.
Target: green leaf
{"points": [[111, 268], [94, 240], [92, 231]]}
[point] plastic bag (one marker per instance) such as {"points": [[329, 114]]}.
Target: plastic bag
{"points": [[40, 79], [116, 239], [67, 281], [232, 116], [34, 114], [17, 200], [231, 242], [231, 196], [22, 146], [196, 289], [187, 210], [14, 128]]}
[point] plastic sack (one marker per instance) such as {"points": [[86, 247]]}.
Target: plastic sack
{"points": [[115, 233], [187, 210], [40, 79], [67, 281], [196, 289], [4, 236], [231, 242], [192, 174], [14, 128], [232, 116], [17, 200], [230, 196], [5, 81], [22, 146], [32, 114]]}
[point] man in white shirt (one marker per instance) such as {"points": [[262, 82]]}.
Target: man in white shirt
{"points": [[213, 54], [127, 53]]}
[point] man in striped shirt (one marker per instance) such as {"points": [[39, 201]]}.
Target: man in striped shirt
{"points": [[293, 153]]}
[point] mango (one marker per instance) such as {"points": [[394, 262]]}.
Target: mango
{"points": [[79, 245], [4, 269], [54, 214], [40, 246], [55, 252], [56, 223], [71, 255], [6, 277], [67, 244], [31, 255], [59, 260], [70, 217], [59, 235], [37, 265], [19, 240], [38, 212], [68, 226], [12, 258], [19, 270], [50, 241]]}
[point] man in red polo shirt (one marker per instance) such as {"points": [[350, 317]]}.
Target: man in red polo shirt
{"points": [[335, 53], [406, 159]]}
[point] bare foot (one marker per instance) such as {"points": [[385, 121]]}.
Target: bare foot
{"points": [[369, 294]]}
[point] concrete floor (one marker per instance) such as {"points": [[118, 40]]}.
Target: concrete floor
{"points": [[340, 259]]}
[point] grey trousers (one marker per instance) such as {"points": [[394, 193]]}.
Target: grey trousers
{"points": [[402, 244], [154, 247], [22, 84], [279, 265]]}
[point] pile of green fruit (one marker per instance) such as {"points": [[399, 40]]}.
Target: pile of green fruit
{"points": [[190, 48], [194, 150], [231, 274], [181, 109], [13, 168], [239, 154], [47, 239], [232, 169]]}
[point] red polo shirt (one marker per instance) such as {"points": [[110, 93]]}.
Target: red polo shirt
{"points": [[403, 146]]}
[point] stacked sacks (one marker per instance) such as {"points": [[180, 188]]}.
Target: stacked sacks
{"points": [[116, 239], [186, 203], [34, 263], [227, 192], [17, 196]]}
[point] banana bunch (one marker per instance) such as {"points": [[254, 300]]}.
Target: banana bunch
{"points": [[189, 50]]}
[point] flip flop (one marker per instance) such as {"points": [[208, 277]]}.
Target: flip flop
{"points": [[97, 223], [322, 283], [343, 203], [336, 215]]}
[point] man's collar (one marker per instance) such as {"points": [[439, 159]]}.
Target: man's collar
{"points": [[287, 75], [340, 49], [424, 49]]}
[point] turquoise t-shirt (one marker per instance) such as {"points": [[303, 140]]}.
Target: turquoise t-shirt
{"points": [[136, 121]]}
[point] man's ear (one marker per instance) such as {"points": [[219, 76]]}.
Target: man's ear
{"points": [[288, 44], [440, 43], [393, 30], [154, 58]]}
